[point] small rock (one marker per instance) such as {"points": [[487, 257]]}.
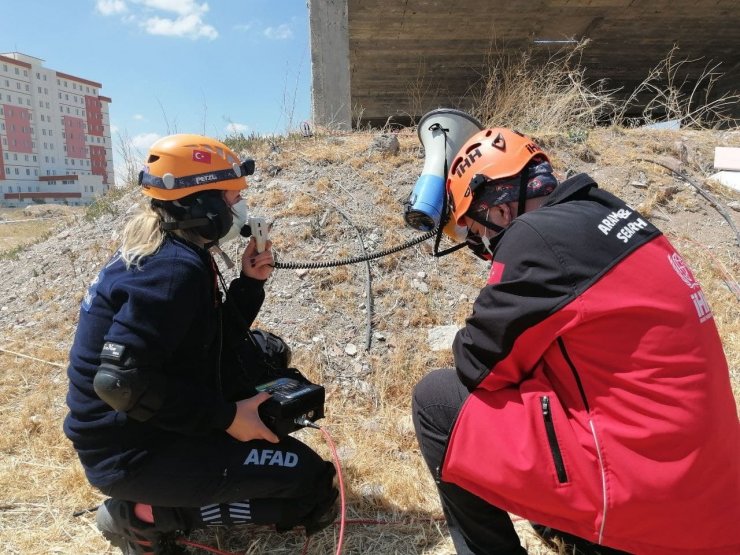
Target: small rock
{"points": [[441, 337], [345, 453], [350, 349], [420, 286], [372, 490], [385, 143], [301, 272], [681, 151], [370, 424], [405, 425]]}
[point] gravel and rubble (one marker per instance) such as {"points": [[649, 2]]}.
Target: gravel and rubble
{"points": [[324, 312]]}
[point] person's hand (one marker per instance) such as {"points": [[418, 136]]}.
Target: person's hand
{"points": [[247, 424], [258, 265]]}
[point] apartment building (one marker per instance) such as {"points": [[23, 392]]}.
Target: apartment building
{"points": [[55, 141]]}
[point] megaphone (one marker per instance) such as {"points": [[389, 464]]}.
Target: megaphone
{"points": [[442, 132]]}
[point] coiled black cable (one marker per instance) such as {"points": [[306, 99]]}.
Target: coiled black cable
{"points": [[355, 259]]}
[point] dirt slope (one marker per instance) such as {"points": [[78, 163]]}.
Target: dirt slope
{"points": [[324, 195]]}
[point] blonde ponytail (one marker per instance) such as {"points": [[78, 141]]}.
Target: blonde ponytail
{"points": [[143, 235]]}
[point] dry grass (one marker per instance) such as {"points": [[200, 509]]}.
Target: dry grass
{"points": [[556, 95], [18, 230], [524, 92]]}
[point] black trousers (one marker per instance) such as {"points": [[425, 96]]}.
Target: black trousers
{"points": [[217, 480], [194, 482], [476, 526]]}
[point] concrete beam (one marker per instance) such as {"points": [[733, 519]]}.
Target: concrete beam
{"points": [[330, 92]]}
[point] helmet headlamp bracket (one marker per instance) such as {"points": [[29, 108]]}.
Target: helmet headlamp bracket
{"points": [[169, 181]]}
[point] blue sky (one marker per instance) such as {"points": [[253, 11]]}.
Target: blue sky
{"points": [[175, 65]]}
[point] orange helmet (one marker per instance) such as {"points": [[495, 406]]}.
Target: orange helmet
{"points": [[488, 155], [180, 165]]}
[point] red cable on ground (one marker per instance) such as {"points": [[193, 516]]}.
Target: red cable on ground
{"points": [[342, 521]]}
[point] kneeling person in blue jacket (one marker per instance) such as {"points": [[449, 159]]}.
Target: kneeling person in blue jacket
{"points": [[163, 410]]}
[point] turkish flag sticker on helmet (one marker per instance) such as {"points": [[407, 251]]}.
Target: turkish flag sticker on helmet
{"points": [[202, 156]]}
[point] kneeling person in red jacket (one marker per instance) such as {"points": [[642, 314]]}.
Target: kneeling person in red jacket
{"points": [[590, 393]]}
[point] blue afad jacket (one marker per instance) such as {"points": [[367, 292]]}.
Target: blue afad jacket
{"points": [[168, 313]]}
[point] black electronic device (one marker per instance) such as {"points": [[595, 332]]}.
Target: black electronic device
{"points": [[291, 403]]}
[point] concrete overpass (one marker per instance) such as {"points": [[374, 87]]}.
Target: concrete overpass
{"points": [[375, 59]]}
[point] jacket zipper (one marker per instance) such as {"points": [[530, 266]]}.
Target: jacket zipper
{"points": [[552, 439], [591, 425]]}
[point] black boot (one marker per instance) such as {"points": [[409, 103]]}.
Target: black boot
{"points": [[123, 529], [572, 544]]}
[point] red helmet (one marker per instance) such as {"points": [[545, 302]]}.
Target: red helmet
{"points": [[493, 154]]}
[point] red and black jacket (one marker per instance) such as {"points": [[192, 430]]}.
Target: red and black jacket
{"points": [[601, 403]]}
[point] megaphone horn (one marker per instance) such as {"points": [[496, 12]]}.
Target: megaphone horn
{"points": [[442, 133]]}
